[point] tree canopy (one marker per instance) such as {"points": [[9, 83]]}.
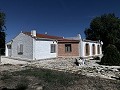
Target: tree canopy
{"points": [[105, 28], [2, 32], [111, 56]]}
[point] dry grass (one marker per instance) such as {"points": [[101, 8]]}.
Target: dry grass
{"points": [[29, 79]]}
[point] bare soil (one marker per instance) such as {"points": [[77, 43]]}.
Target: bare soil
{"points": [[44, 79], [60, 74]]}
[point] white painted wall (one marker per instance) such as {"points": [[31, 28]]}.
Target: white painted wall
{"points": [[82, 49], [27, 42], [32, 48], [42, 49], [6, 51]]}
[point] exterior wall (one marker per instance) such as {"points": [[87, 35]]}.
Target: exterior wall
{"points": [[43, 49], [7, 50], [27, 42], [74, 52], [83, 50]]}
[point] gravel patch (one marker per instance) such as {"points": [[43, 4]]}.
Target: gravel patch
{"points": [[90, 68], [5, 60]]}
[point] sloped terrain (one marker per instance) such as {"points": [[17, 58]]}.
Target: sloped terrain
{"points": [[59, 74], [44, 79]]}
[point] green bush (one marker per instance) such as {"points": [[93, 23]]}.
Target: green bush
{"points": [[111, 56]]}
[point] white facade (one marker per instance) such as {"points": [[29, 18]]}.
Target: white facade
{"points": [[8, 49], [91, 53], [27, 43], [32, 48], [43, 49], [82, 47]]}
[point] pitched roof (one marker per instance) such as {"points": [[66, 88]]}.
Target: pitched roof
{"points": [[45, 36]]}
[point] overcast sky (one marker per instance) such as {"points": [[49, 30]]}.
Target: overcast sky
{"points": [[57, 17]]}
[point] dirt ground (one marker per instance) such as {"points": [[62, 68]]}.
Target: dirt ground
{"points": [[91, 76]]}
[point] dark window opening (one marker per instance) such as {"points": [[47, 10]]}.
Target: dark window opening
{"points": [[53, 48], [87, 49], [98, 47], [68, 48], [9, 46], [93, 47], [20, 49]]}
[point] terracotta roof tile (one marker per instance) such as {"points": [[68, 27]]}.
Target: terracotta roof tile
{"points": [[44, 36], [60, 39]]}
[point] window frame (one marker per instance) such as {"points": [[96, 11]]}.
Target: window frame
{"points": [[93, 49], [20, 49], [68, 48], [98, 49], [87, 49], [9, 46], [52, 48]]}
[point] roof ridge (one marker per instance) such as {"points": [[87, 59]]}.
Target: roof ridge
{"points": [[50, 37], [38, 35]]}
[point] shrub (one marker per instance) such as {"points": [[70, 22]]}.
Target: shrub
{"points": [[111, 56]]}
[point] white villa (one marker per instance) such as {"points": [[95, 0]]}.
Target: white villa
{"points": [[33, 46]]}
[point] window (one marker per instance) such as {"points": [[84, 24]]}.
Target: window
{"points": [[20, 49], [53, 48], [68, 48], [87, 49], [93, 49], [98, 49], [9, 46]]}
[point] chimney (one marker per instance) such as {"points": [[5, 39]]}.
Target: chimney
{"points": [[33, 33], [79, 36], [46, 33]]}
